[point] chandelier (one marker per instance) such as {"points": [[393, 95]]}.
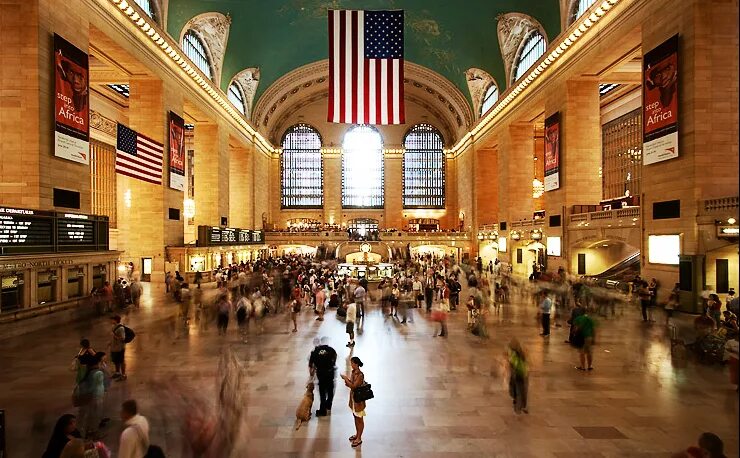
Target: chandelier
{"points": [[538, 188]]}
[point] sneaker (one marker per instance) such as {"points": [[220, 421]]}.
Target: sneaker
{"points": [[319, 413]]}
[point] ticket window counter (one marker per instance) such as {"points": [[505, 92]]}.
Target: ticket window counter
{"points": [[46, 286], [197, 263], [11, 295], [99, 276], [75, 282]]}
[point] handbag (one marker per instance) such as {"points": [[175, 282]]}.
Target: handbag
{"points": [[362, 393]]}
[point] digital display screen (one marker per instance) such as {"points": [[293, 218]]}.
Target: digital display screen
{"points": [[35, 231], [75, 230], [215, 236]]}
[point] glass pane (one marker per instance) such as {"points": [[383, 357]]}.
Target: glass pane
{"points": [[362, 168], [423, 168], [302, 168]]}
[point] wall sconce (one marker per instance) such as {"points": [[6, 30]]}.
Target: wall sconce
{"points": [[189, 208], [127, 198], [731, 220], [538, 188], [515, 235], [481, 236], [536, 234]]}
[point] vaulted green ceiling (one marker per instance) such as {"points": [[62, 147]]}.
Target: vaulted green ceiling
{"points": [[281, 35]]}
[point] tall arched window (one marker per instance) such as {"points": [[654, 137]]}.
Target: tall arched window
{"points": [[362, 168], [423, 168], [194, 48], [579, 7], [236, 97], [301, 168], [531, 50], [147, 6], [489, 99]]}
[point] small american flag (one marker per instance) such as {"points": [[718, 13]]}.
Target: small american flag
{"points": [[138, 156], [366, 67]]}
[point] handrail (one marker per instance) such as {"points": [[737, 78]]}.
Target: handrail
{"points": [[722, 203], [602, 215]]}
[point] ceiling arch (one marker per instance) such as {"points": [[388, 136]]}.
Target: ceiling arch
{"points": [[310, 83], [279, 36]]}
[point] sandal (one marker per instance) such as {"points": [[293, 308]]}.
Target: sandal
{"points": [[352, 438], [356, 444]]}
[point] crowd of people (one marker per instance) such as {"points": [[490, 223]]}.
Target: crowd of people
{"points": [[251, 291]]}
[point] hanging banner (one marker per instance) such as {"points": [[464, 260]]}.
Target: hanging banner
{"points": [[552, 152], [660, 103], [177, 152], [71, 102]]}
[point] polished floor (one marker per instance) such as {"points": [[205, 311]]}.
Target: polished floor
{"points": [[435, 396]]}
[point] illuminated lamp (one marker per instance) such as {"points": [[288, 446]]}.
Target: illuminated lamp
{"points": [[536, 234], [515, 235]]}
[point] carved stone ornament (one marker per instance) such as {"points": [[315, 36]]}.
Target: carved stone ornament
{"points": [[102, 124], [248, 80], [213, 29], [478, 82], [512, 29]]}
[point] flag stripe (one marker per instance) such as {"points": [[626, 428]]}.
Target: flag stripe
{"points": [[360, 74], [342, 66], [401, 106], [384, 91], [353, 53], [330, 114]]}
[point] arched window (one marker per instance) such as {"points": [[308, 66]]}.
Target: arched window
{"points": [[196, 51], [531, 50], [236, 97], [423, 168], [147, 6], [302, 168], [362, 168], [579, 7], [489, 99]]}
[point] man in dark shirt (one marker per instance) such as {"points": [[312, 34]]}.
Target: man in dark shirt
{"points": [[322, 364]]}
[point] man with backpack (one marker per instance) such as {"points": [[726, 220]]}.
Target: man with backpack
{"points": [[134, 442], [121, 336]]}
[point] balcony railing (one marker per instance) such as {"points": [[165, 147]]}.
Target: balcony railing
{"points": [[721, 204], [528, 223], [606, 215]]}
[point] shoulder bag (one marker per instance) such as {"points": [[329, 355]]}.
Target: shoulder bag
{"points": [[362, 393]]}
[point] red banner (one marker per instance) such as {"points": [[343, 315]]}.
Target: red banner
{"points": [[660, 102], [552, 152], [71, 102], [177, 152]]}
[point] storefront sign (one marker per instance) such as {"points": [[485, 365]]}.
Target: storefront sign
{"points": [[660, 103], [731, 232], [177, 152], [71, 104], [552, 152]]}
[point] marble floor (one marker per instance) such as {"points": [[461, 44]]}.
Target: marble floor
{"points": [[434, 396]]}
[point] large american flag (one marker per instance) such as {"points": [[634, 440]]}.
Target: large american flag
{"points": [[138, 156], [366, 67]]}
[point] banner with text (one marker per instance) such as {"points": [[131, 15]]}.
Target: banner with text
{"points": [[660, 103], [177, 152], [552, 152], [71, 107]]}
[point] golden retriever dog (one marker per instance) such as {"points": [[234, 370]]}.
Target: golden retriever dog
{"points": [[303, 412]]}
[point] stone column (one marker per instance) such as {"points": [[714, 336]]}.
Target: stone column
{"points": [[211, 174], [393, 188], [515, 155], [239, 186], [487, 186], [580, 157]]}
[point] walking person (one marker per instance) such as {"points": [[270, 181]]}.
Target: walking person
{"points": [[360, 293], [353, 381], [65, 430], [643, 293], [545, 310], [585, 330], [416, 289], [90, 392], [118, 348], [243, 310], [136, 291], [350, 323], [320, 302], [134, 440], [322, 364], [223, 307], [429, 293], [395, 296], [518, 376]]}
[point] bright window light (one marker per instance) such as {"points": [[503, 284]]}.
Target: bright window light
{"points": [[502, 244], [664, 249], [553, 246], [362, 168]]}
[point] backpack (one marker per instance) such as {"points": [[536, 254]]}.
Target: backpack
{"points": [[128, 334]]}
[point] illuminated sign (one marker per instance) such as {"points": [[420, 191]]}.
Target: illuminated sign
{"points": [[553, 246], [219, 236], [664, 249], [728, 231]]}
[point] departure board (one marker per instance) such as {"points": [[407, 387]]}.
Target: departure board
{"points": [[36, 231], [75, 229], [24, 230], [220, 236]]}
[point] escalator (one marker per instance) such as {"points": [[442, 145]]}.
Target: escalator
{"points": [[619, 275]]}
